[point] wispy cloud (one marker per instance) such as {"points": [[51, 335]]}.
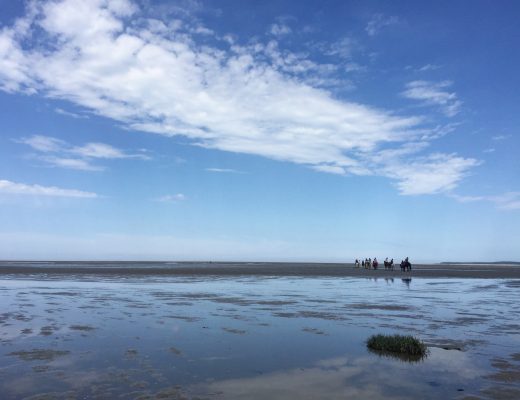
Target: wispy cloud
{"points": [[45, 144], [59, 153], [171, 198], [500, 137], [279, 29], [103, 150], [70, 163], [505, 201], [432, 93], [158, 78], [490, 150], [224, 170], [9, 187], [436, 173], [354, 67], [429, 67], [70, 113], [342, 48], [378, 22]]}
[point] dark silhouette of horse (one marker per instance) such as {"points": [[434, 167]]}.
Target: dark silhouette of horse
{"points": [[406, 265]]}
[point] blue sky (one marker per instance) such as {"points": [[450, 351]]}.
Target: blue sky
{"points": [[273, 130]]}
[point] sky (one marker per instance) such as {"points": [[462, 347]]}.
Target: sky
{"points": [[259, 130]]}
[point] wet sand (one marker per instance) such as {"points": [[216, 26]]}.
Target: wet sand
{"points": [[480, 271], [146, 337]]}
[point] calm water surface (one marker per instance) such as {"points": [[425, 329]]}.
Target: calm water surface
{"points": [[255, 338]]}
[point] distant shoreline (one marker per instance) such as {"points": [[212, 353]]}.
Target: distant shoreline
{"points": [[444, 270]]}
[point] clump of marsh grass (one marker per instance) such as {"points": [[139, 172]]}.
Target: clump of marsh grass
{"points": [[405, 347]]}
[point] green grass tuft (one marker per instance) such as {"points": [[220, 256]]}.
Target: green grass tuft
{"points": [[398, 344]]}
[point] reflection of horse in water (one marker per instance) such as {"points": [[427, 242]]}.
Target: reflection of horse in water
{"points": [[406, 265], [406, 281], [389, 264]]}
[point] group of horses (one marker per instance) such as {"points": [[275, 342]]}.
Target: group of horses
{"points": [[405, 265]]}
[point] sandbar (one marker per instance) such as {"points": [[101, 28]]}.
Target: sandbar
{"points": [[478, 271]]}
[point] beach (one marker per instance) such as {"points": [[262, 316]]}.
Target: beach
{"points": [[148, 331], [128, 268]]}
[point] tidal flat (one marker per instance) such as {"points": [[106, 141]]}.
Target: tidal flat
{"points": [[255, 337]]}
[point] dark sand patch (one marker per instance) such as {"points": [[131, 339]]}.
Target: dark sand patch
{"points": [[48, 330], [314, 330], [70, 395], [320, 301], [386, 307], [235, 331], [173, 393], [512, 284], [286, 314], [39, 354], [40, 368], [275, 302], [139, 385], [175, 351], [16, 316], [502, 393], [470, 320], [183, 318], [131, 353], [85, 328], [58, 293], [508, 372], [506, 376], [321, 315], [310, 314]]}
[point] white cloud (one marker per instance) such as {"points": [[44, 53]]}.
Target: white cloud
{"points": [[354, 67], [331, 169], [45, 144], [434, 174], [490, 150], [69, 113], [432, 93], [70, 163], [378, 22], [342, 48], [8, 187], [224, 170], [58, 153], [171, 198], [279, 29], [506, 201], [500, 137], [429, 67], [254, 99], [201, 30], [101, 150]]}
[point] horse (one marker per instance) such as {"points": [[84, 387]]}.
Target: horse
{"points": [[406, 265], [389, 264]]}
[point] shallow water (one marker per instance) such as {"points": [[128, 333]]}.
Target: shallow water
{"points": [[255, 338]]}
